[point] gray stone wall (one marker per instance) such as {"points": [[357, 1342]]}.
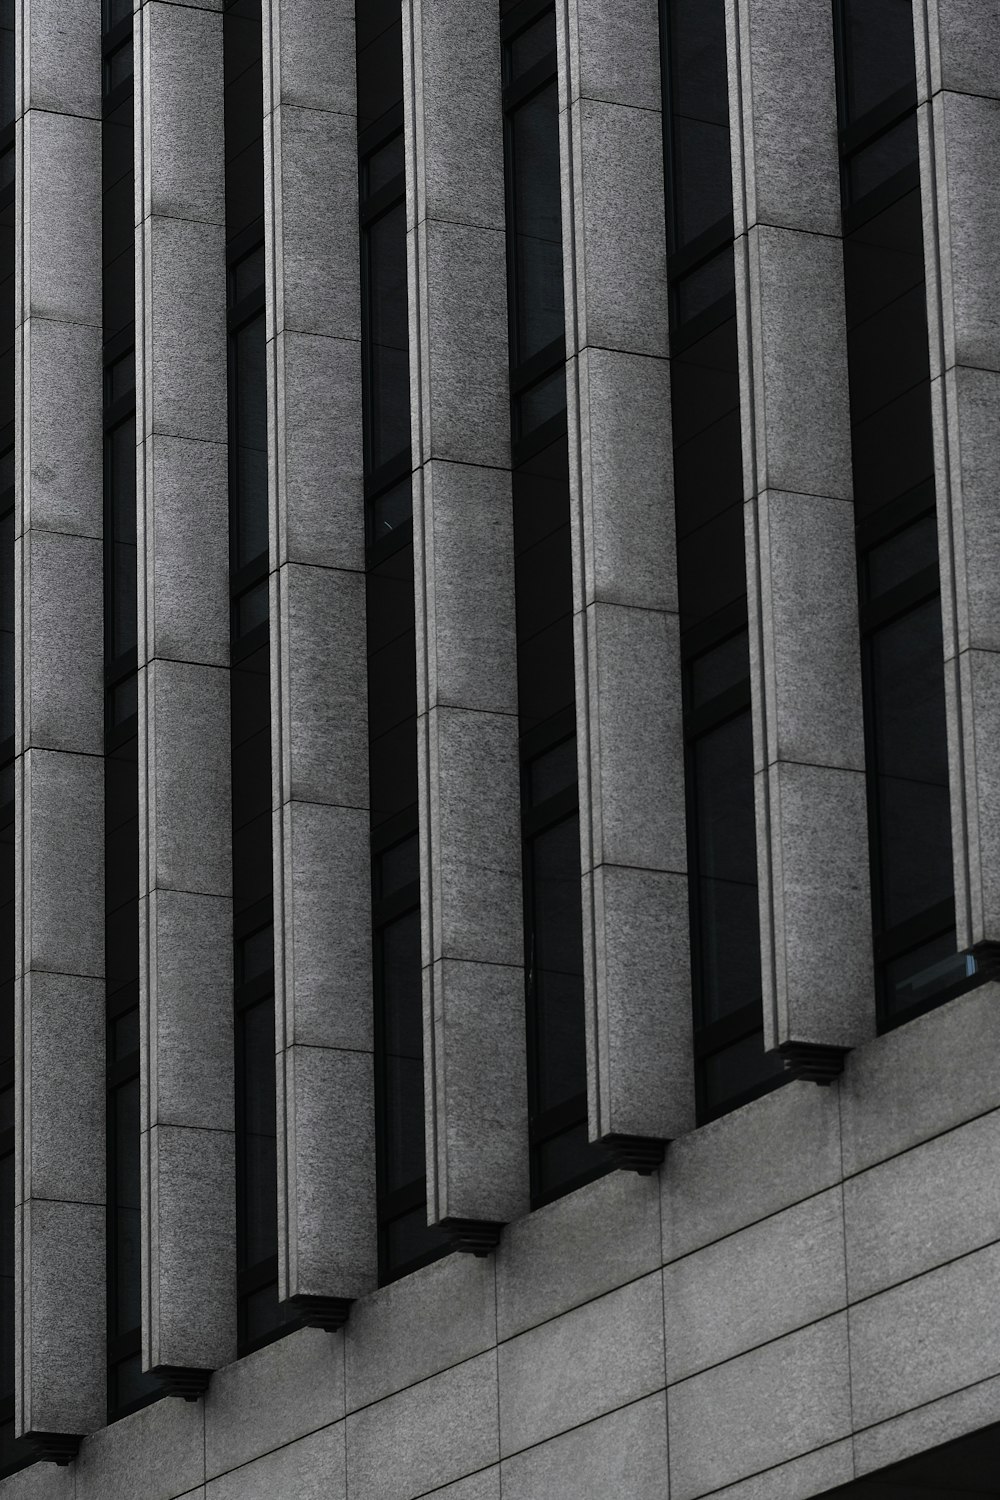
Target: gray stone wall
{"points": [[807, 1291], [59, 1299], [188, 1207]]}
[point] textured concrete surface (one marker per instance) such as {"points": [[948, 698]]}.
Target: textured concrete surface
{"points": [[569, 1363], [56, 1244], [468, 771], [188, 1200], [628, 667], [806, 1291], [319, 707], [815, 910]]}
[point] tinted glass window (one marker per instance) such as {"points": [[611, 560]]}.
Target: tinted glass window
{"points": [[561, 1155], [540, 315], [403, 1012], [405, 1241], [387, 351], [910, 845], [878, 53], [727, 868], [556, 962], [249, 396], [907, 695], [699, 107], [708, 481]]}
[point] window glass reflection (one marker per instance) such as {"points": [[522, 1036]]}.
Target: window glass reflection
{"points": [[533, 45], [388, 338], [250, 416], [879, 51], [555, 962], [120, 460], [259, 1195], [7, 66], [7, 1274], [727, 867], [403, 1144], [540, 314], [907, 694], [699, 120], [127, 1288], [890, 153], [910, 847], [6, 626]]}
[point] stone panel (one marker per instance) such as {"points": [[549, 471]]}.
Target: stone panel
{"points": [[922, 1208], [587, 1243], [579, 1366], [926, 1338], [412, 1329], [753, 1162], [272, 1397], [761, 1410], [755, 1286], [623, 1454], [427, 1436]]}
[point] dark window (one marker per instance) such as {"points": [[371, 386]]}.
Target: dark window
{"points": [[968, 1466], [387, 356], [731, 1064], [561, 1156], [128, 1387], [260, 1317], [404, 1239], [902, 654], [12, 1453], [699, 120], [534, 225]]}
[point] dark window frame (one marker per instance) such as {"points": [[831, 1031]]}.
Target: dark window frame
{"points": [[7, 818], [529, 373], [857, 133], [248, 577], [685, 259], [380, 481], [374, 206], [546, 1123], [121, 729]]}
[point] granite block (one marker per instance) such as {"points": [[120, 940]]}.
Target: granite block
{"points": [[427, 1436], [272, 1397], [760, 1410], [571, 1251], [581, 1365], [754, 1286], [417, 1327]]}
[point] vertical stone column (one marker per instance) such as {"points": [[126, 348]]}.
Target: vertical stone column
{"points": [[958, 84], [185, 941], [322, 880], [815, 912], [631, 754], [60, 1286], [469, 779]]}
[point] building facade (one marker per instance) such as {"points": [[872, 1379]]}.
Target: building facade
{"points": [[500, 749]]}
